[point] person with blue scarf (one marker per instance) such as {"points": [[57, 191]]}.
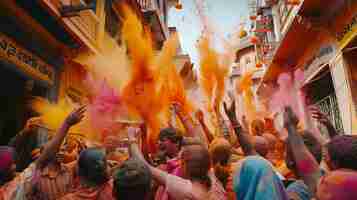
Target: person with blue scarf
{"points": [[255, 179]]}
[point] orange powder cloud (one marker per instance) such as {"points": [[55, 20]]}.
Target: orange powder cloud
{"points": [[171, 82], [244, 87], [154, 82], [143, 93], [54, 114], [212, 72]]}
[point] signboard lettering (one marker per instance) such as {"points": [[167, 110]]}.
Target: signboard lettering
{"points": [[25, 60], [348, 28]]}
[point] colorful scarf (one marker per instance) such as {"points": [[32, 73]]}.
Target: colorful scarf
{"points": [[256, 180]]}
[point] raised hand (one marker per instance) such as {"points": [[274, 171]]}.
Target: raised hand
{"points": [[231, 111], [76, 116], [242, 135], [318, 115], [53, 146], [323, 119], [177, 107], [133, 133]]}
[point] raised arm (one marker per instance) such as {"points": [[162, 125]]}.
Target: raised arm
{"points": [[323, 119], [242, 135], [135, 152], [306, 165], [53, 146], [200, 117], [144, 139], [193, 129], [223, 128]]}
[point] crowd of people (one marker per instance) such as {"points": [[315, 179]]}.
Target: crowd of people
{"points": [[241, 162]]}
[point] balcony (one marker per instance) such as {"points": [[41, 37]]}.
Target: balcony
{"points": [[266, 52], [147, 5], [329, 105], [155, 16], [287, 15], [84, 26]]}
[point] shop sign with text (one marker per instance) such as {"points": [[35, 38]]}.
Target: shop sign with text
{"points": [[348, 33], [24, 60]]}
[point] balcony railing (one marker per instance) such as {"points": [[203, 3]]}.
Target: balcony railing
{"points": [[329, 106], [266, 51], [151, 7], [147, 5], [84, 25]]}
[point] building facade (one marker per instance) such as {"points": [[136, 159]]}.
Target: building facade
{"points": [[246, 61], [96, 27], [318, 38], [39, 39], [30, 43]]}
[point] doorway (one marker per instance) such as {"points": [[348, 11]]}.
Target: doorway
{"points": [[16, 91]]}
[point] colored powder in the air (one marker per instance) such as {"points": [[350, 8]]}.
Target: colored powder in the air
{"points": [[246, 82], [213, 72], [208, 63], [111, 64], [249, 105], [244, 87], [299, 78], [142, 92], [200, 7], [172, 85], [104, 108], [289, 94], [54, 114]]}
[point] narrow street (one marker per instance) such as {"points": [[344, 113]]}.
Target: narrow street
{"points": [[178, 100]]}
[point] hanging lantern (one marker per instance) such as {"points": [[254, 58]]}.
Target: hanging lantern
{"points": [[293, 2], [259, 64], [242, 33], [253, 17], [178, 6], [254, 39]]}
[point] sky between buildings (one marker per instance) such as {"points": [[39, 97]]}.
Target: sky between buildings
{"points": [[224, 15]]}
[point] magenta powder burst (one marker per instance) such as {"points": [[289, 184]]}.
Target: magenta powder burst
{"points": [[105, 107]]}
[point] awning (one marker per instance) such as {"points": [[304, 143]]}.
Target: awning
{"points": [[302, 39], [290, 50], [320, 69], [345, 26]]}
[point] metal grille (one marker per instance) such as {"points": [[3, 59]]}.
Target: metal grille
{"points": [[329, 106], [147, 5]]}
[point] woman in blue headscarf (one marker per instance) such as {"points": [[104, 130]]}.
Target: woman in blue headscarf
{"points": [[255, 179]]}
